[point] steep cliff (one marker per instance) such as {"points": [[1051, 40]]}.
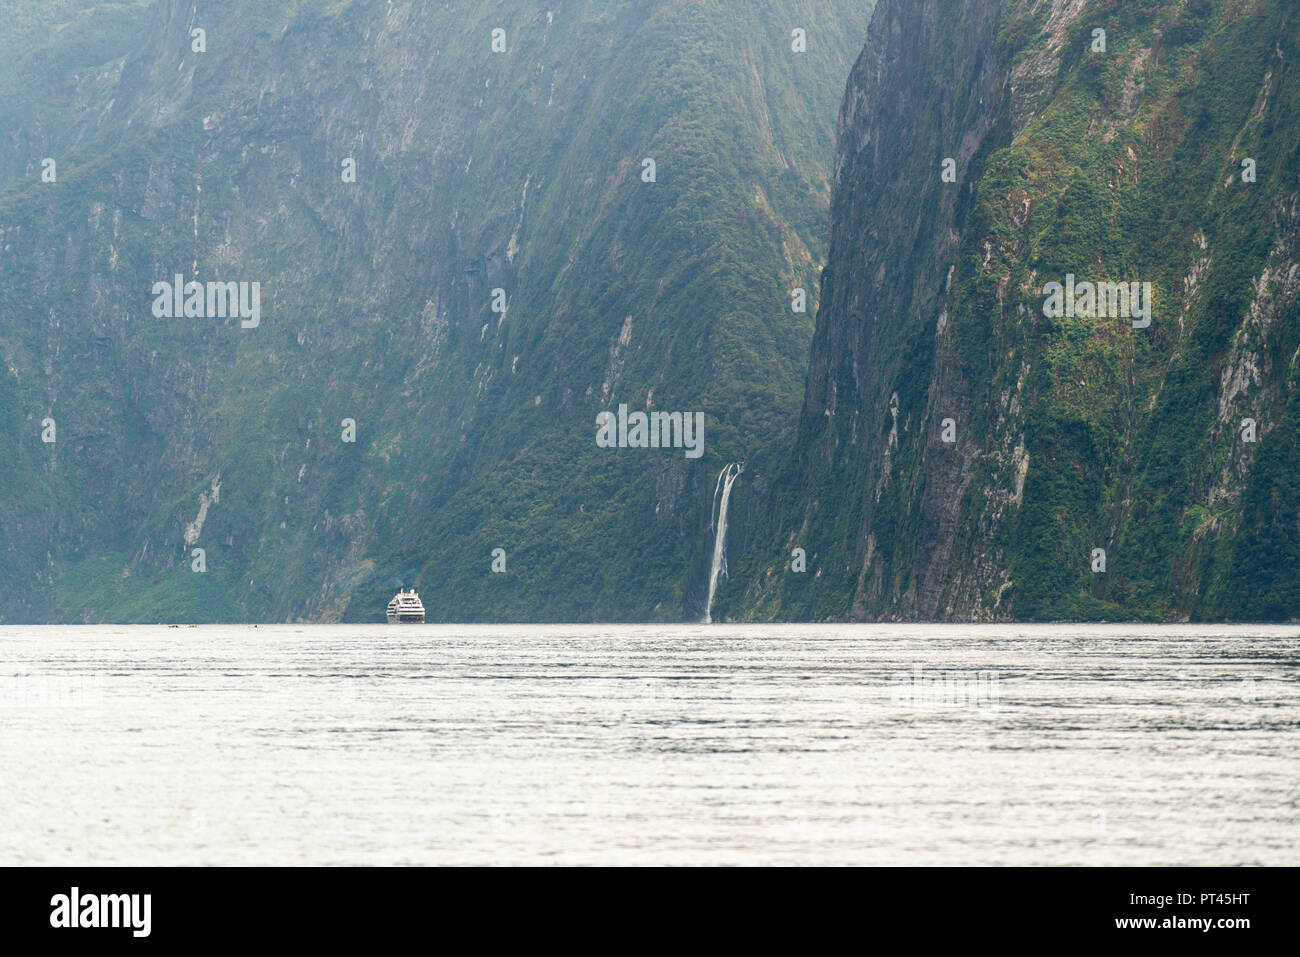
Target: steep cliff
{"points": [[977, 443], [463, 258]]}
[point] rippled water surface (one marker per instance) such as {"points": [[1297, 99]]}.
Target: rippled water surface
{"points": [[866, 744]]}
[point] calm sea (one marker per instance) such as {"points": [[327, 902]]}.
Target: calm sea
{"points": [[868, 744]]}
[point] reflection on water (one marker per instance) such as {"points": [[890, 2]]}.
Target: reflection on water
{"points": [[864, 744]]}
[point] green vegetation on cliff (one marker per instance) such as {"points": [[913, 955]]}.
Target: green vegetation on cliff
{"points": [[476, 170], [1152, 143]]}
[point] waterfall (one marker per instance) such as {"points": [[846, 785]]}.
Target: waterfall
{"points": [[718, 520]]}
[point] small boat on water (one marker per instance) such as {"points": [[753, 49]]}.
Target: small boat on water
{"points": [[406, 608]]}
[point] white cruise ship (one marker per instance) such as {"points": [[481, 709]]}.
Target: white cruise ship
{"points": [[406, 608]]}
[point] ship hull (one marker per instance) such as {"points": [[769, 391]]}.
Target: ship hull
{"points": [[405, 618]]}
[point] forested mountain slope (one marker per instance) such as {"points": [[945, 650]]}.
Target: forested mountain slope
{"points": [[483, 161], [977, 443]]}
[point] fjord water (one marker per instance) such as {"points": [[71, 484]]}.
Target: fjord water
{"points": [[347, 744]]}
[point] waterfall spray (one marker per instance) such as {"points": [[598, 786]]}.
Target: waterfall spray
{"points": [[718, 521]]}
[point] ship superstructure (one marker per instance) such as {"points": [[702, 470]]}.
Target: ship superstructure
{"points": [[406, 608]]}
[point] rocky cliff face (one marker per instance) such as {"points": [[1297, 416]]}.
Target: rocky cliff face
{"points": [[463, 257], [970, 449], [439, 331]]}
